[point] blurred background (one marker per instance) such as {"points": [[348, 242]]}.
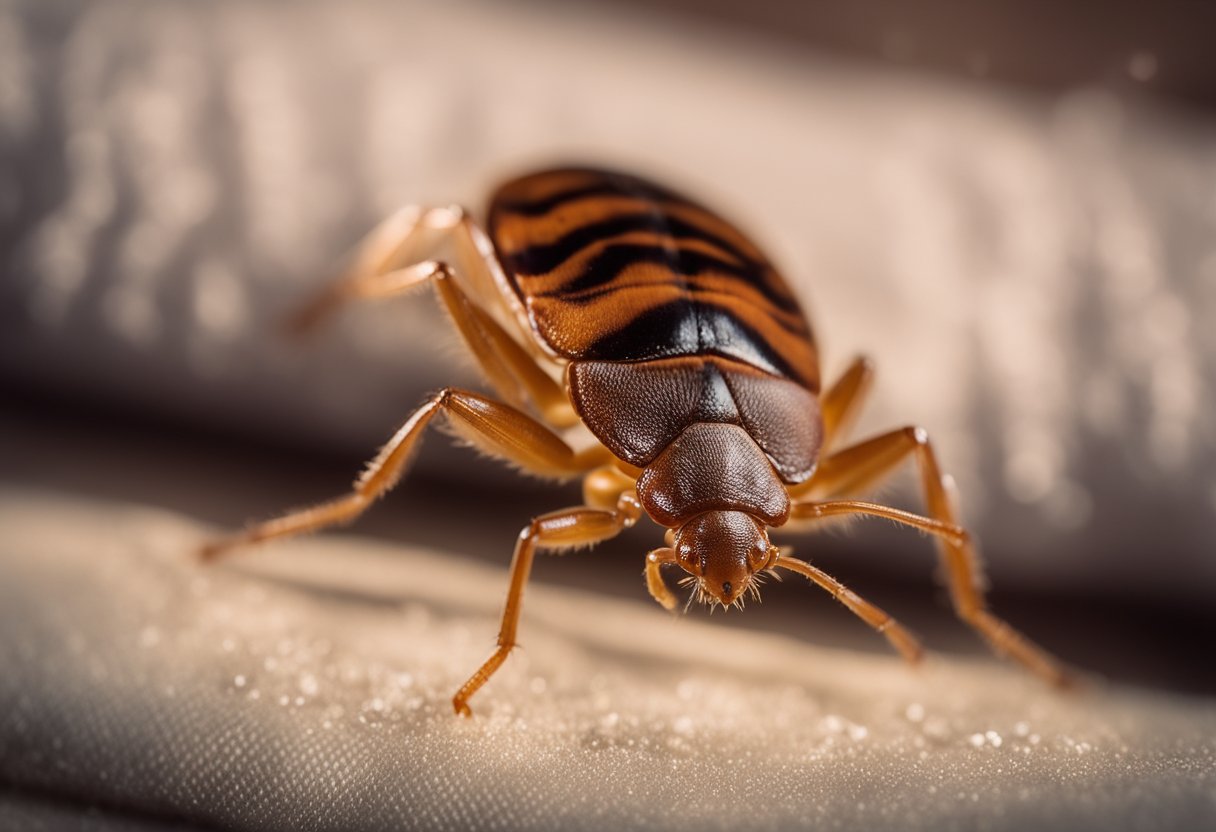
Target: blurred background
{"points": [[1011, 207]]}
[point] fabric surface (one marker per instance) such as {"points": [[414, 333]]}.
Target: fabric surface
{"points": [[307, 686], [1031, 272]]}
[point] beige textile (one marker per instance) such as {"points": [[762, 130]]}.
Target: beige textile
{"points": [[308, 687]]}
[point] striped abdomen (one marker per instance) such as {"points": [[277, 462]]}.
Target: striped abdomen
{"points": [[613, 268]]}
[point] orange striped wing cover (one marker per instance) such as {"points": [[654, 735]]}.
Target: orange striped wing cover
{"points": [[611, 267]]}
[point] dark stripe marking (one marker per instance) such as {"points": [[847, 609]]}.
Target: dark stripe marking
{"points": [[689, 328], [609, 263], [540, 259], [789, 320]]}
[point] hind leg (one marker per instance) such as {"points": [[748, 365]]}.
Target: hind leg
{"points": [[394, 258]]}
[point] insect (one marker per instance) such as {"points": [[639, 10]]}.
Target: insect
{"points": [[602, 299]]}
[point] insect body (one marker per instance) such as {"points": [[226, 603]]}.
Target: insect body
{"points": [[600, 298]]}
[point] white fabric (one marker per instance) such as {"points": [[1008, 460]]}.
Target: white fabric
{"points": [[307, 686]]}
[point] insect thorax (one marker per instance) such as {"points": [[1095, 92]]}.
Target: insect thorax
{"points": [[711, 434]]}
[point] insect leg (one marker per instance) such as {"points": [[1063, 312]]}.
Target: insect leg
{"points": [[807, 510], [900, 639], [389, 262], [605, 487], [863, 465], [840, 405], [842, 402], [401, 241], [494, 427], [509, 367], [659, 591], [558, 530]]}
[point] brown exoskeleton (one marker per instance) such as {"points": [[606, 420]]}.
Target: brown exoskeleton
{"points": [[603, 299]]}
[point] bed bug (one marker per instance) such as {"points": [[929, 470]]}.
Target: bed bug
{"points": [[601, 299]]}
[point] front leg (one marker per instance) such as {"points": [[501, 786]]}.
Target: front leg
{"points": [[492, 426], [558, 530], [604, 488]]}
